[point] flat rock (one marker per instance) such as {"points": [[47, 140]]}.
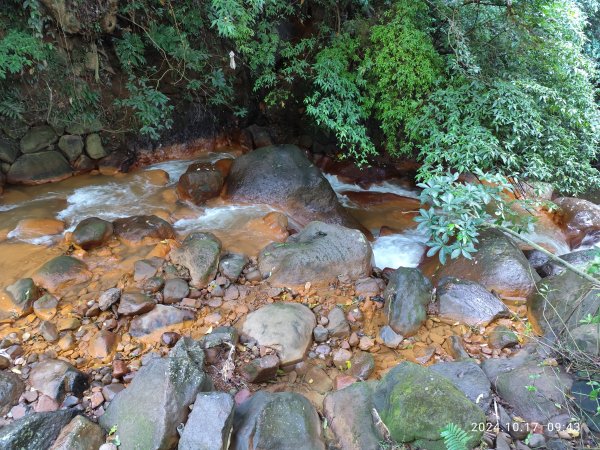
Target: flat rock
{"points": [[148, 413], [286, 327], [175, 289], [210, 423], [135, 303], [45, 307], [320, 253], [39, 168], [283, 420], [136, 230], [406, 298], [160, 318], [468, 302], [469, 378], [61, 272], [35, 431], [199, 253]]}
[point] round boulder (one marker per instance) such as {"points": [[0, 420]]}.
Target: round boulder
{"points": [[38, 138], [200, 183], [92, 232], [39, 168], [139, 229], [61, 272], [580, 216]]}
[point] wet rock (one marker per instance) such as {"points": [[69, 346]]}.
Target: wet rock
{"points": [[468, 302], [286, 327], [175, 289], [389, 337], [38, 138], [319, 253], [261, 369], [18, 298], [39, 168], [582, 217], [35, 431], [585, 338], [148, 412], [71, 146], [338, 325], [283, 176], [94, 147], [61, 272], [136, 230], [36, 228], [79, 434], [103, 344], [109, 298], [469, 378], [210, 423], [231, 265], [84, 164], [45, 307], [55, 378], [49, 331], [219, 336], [498, 266], [579, 259], [200, 183], [145, 269], [362, 365], [406, 298], [534, 391], [92, 232], [11, 388], [277, 421], [502, 337], [134, 303], [561, 302], [349, 414], [162, 317], [415, 403], [199, 253]]}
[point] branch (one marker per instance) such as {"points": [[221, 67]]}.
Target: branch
{"points": [[553, 257]]}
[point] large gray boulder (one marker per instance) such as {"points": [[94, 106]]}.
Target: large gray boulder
{"points": [[38, 138], [146, 414], [71, 146], [210, 423], [35, 431], [199, 253], [319, 253], [499, 265], [468, 302], [282, 176], [406, 297], [282, 421], [585, 338], [286, 327], [39, 168]]}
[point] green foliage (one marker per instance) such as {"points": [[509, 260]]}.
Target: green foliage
{"points": [[19, 51], [454, 212], [455, 438]]}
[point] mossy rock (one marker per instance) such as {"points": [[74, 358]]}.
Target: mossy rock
{"points": [[416, 403], [94, 147], [38, 138]]}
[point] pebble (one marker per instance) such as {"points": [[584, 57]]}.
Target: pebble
{"points": [[18, 411], [341, 356], [66, 342], [320, 334], [49, 331], [215, 302], [96, 400], [365, 343], [119, 368], [109, 298], [46, 404], [323, 349], [30, 396], [342, 381], [170, 338], [213, 318], [353, 340]]}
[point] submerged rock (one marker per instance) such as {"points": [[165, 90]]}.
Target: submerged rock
{"points": [[498, 266], [61, 272], [406, 298], [284, 420], [286, 327], [35, 431], [148, 413], [468, 302], [139, 229], [199, 253], [319, 253], [283, 176], [210, 423]]}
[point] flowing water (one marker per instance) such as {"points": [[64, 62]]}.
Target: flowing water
{"points": [[387, 209]]}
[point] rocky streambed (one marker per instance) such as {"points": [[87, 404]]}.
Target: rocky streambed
{"points": [[246, 300]]}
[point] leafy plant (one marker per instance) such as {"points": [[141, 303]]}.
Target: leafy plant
{"points": [[455, 438]]}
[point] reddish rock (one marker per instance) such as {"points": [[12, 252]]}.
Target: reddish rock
{"points": [[96, 399], [134, 303], [139, 229], [242, 396], [46, 404], [342, 381], [103, 344], [200, 183], [120, 368]]}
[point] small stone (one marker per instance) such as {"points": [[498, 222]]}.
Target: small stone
{"points": [[45, 307], [175, 290], [389, 337], [320, 333], [457, 350], [536, 441], [353, 340], [96, 399], [66, 342], [144, 269], [30, 396], [231, 293], [49, 331], [102, 345], [213, 318], [365, 343], [109, 298], [93, 311], [14, 351], [152, 284], [120, 368], [253, 276], [4, 362], [502, 337], [110, 390], [341, 357], [18, 411], [338, 326], [261, 369], [68, 323], [46, 404], [134, 303], [362, 365], [342, 381], [170, 338], [231, 265], [241, 396], [323, 349]]}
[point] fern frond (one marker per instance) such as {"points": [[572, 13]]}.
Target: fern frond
{"points": [[455, 438]]}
